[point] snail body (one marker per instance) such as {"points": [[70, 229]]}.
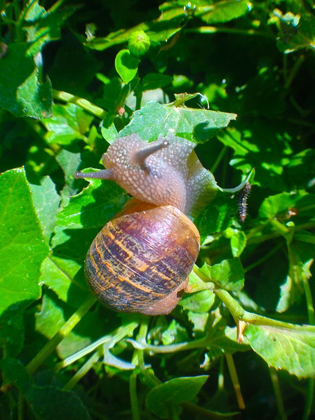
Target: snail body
{"points": [[140, 261]]}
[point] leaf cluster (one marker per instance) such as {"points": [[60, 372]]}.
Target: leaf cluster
{"points": [[237, 79]]}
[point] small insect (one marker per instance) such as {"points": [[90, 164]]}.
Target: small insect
{"points": [[242, 201]]}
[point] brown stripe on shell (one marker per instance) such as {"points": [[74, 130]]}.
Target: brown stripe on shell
{"points": [[139, 259]]}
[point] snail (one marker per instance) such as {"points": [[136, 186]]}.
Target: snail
{"points": [[141, 260]]}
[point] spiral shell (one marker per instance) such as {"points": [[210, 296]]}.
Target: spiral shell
{"points": [[140, 261]]}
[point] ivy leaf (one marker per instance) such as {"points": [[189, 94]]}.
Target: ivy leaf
{"points": [[126, 65], [223, 11], [22, 93], [296, 33], [197, 125], [291, 349], [65, 278], [228, 275], [174, 391], [46, 201], [301, 257], [22, 245], [69, 123]]}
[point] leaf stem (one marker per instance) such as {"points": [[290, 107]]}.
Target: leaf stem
{"points": [[81, 102], [309, 399], [309, 302], [235, 381], [214, 30], [277, 391], [82, 371], [134, 396], [236, 310], [264, 258], [60, 335], [218, 159], [294, 71]]}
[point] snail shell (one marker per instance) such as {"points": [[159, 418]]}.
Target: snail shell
{"points": [[140, 261]]}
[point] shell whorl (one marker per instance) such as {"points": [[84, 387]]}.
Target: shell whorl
{"points": [[140, 262]]}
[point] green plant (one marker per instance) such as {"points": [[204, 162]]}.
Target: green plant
{"points": [[244, 339]]}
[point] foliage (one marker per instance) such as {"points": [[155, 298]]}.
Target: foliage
{"points": [[74, 76]]}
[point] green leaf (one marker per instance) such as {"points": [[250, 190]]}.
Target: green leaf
{"points": [[126, 65], [197, 125], [228, 275], [93, 207], [69, 162], [238, 243], [158, 31], [22, 245], [22, 93], [174, 391], [301, 257], [285, 348], [46, 201], [64, 277], [154, 81], [223, 11], [69, 123], [44, 402], [217, 216], [295, 36]]}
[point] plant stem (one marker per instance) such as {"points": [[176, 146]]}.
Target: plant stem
{"points": [[236, 310], [294, 71], [277, 391], [309, 399], [262, 259], [83, 103], [134, 396], [82, 371], [218, 159], [60, 335], [235, 381], [214, 30], [309, 302], [311, 320], [116, 336]]}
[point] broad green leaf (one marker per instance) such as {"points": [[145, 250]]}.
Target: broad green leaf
{"points": [[22, 93], [126, 65], [291, 349], [64, 277], [238, 243], [197, 125], [228, 275], [41, 26], [286, 205], [46, 201], [44, 402], [223, 11], [265, 147], [22, 245], [158, 31], [93, 207], [69, 163], [155, 81], [301, 256], [69, 123], [296, 35], [174, 391], [12, 334], [217, 216]]}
